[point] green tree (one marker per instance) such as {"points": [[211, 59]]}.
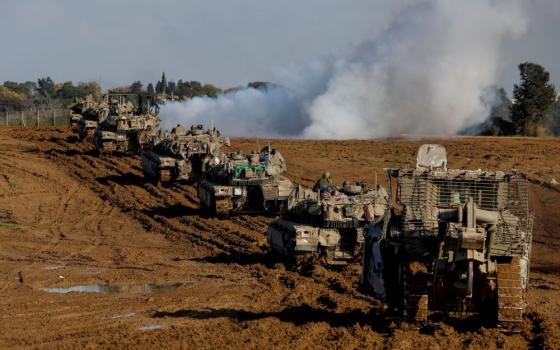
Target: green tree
{"points": [[259, 85], [163, 83], [171, 87], [136, 88], [27, 88], [196, 89], [159, 87], [533, 97], [120, 90], [179, 88], [11, 100], [184, 89], [90, 88], [233, 89], [45, 87], [211, 91], [68, 91], [150, 89]]}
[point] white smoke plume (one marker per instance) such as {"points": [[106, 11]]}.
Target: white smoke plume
{"points": [[426, 74], [248, 112]]}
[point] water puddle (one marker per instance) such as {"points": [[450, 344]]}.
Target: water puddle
{"points": [[54, 267], [117, 288], [149, 327]]}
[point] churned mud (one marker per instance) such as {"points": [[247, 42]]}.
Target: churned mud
{"points": [[93, 255]]}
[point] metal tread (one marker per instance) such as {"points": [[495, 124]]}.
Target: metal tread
{"points": [[510, 305]]}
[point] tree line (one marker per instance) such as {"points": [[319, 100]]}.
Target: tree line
{"points": [[44, 92], [533, 110], [180, 89]]}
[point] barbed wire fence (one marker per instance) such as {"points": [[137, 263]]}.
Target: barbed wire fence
{"points": [[36, 117]]}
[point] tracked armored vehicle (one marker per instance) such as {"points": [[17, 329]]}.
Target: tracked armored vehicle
{"points": [[458, 241], [86, 114], [330, 224], [245, 183], [182, 154], [126, 129], [78, 108]]}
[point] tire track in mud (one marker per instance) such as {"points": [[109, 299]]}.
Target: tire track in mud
{"points": [[173, 211], [235, 243], [47, 219], [95, 314], [118, 180]]}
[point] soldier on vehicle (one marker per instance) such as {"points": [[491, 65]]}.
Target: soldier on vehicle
{"points": [[324, 183]]}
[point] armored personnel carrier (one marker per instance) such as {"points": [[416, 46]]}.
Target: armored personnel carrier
{"points": [[328, 224], [125, 130], [245, 183], [86, 114], [181, 153], [78, 108], [458, 241]]}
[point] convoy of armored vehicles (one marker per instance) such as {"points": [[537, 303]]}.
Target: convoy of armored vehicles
{"points": [[435, 240], [113, 123], [126, 129]]}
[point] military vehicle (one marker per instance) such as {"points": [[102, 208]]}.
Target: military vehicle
{"points": [[182, 154], [127, 129], [328, 224], [78, 108], [245, 183], [458, 241], [86, 114]]}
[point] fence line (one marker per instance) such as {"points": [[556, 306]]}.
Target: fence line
{"points": [[36, 117]]}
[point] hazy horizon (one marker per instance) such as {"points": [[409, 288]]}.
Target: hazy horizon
{"points": [[221, 42]]}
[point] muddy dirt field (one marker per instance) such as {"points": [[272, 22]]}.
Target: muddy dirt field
{"points": [[160, 275]]}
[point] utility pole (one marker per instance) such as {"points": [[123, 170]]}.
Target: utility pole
{"points": [[54, 117], [37, 117]]}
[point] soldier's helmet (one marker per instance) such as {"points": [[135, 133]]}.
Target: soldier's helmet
{"points": [[327, 175]]}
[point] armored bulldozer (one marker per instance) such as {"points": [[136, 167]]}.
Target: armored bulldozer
{"points": [[125, 130], [86, 114], [458, 241], [245, 183], [182, 154], [329, 224]]}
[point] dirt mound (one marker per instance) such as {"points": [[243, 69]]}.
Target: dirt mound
{"points": [[69, 218]]}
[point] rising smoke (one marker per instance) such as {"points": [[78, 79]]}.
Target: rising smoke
{"points": [[426, 74]]}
